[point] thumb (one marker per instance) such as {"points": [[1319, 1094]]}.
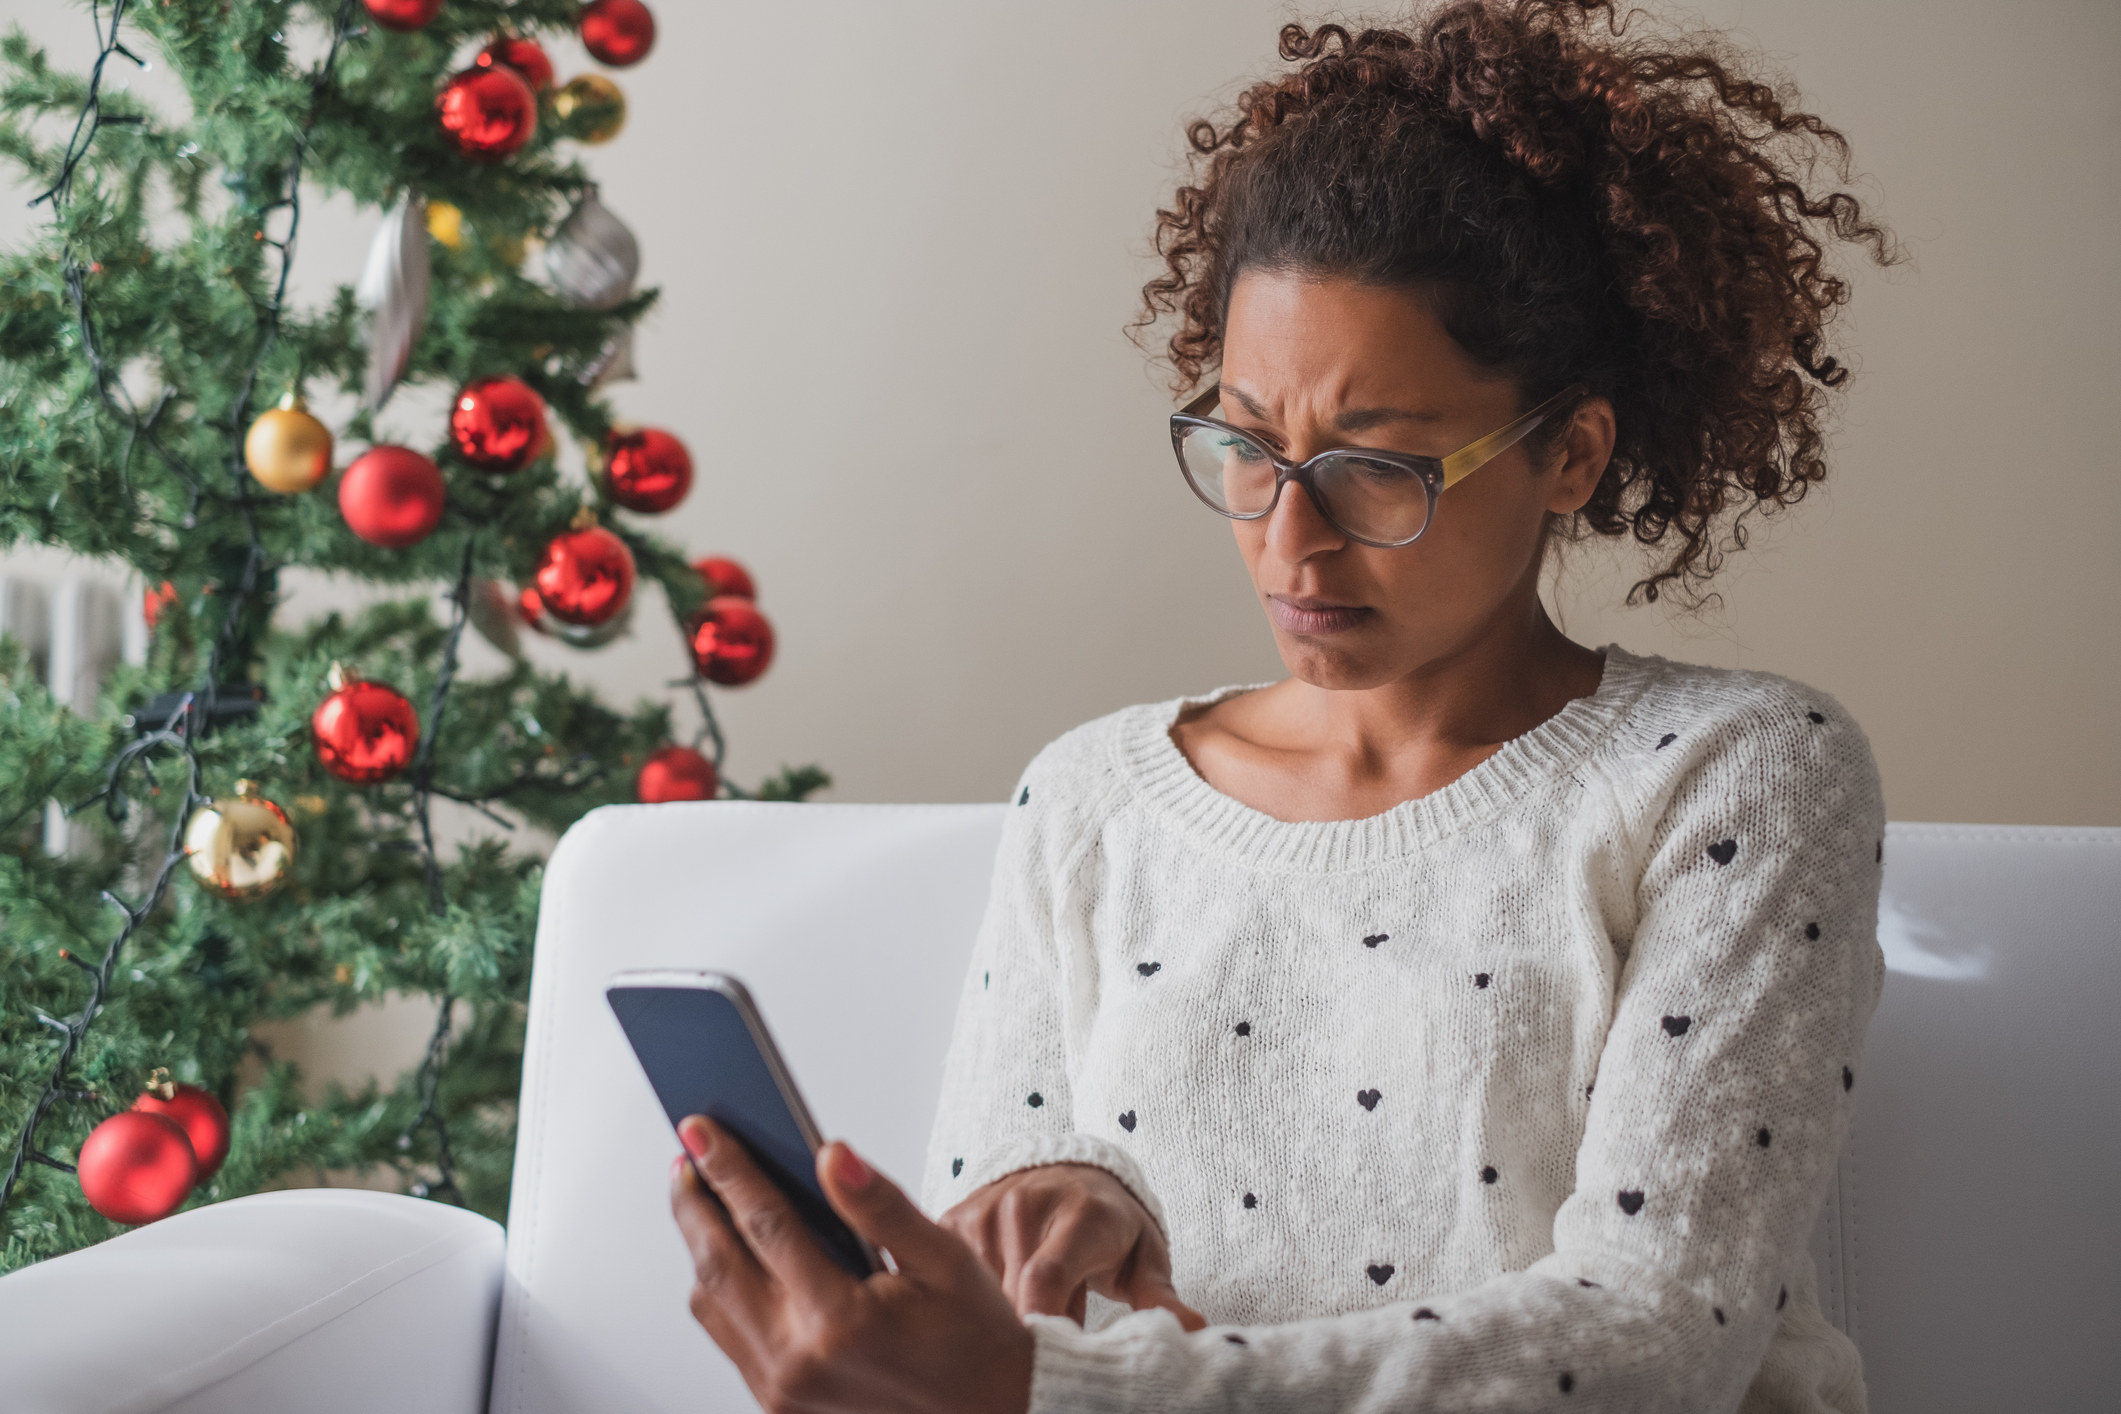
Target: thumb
{"points": [[879, 1210]]}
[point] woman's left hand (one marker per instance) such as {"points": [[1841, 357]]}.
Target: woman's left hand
{"points": [[935, 1337]]}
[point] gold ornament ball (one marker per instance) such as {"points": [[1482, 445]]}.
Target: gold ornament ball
{"points": [[446, 224], [590, 109], [240, 848], [288, 450]]}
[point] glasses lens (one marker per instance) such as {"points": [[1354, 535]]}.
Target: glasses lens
{"points": [[1376, 500], [1232, 473]]}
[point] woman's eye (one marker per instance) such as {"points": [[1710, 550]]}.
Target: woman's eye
{"points": [[1238, 449]]}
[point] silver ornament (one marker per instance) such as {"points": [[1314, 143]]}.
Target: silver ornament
{"points": [[592, 259], [394, 284], [613, 363], [492, 611]]}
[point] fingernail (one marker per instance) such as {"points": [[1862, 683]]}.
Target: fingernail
{"points": [[693, 1133], [854, 1173]]}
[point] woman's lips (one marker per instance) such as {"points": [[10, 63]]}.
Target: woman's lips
{"points": [[1313, 618]]}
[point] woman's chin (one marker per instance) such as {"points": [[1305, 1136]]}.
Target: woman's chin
{"points": [[1333, 665]]}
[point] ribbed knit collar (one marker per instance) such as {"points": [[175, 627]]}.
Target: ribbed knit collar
{"points": [[1159, 771]]}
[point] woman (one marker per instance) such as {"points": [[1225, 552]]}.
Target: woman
{"points": [[1467, 1020]]}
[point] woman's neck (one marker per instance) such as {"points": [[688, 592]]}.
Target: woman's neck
{"points": [[1296, 751]]}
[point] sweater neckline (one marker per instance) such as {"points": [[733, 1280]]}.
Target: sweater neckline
{"points": [[1151, 760]]}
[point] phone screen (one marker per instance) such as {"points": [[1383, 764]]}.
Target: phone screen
{"points": [[702, 1058]]}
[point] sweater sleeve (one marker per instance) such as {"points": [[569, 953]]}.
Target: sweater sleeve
{"points": [[1007, 1102], [1718, 1111]]}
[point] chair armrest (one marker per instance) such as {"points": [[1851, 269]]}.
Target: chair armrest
{"points": [[330, 1301]]}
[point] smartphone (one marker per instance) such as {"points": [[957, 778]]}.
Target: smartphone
{"points": [[706, 1051]]}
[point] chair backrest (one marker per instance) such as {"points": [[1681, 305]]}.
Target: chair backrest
{"points": [[1970, 1245]]}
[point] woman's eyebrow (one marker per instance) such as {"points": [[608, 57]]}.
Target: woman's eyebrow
{"points": [[1353, 420]]}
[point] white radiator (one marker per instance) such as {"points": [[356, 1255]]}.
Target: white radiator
{"points": [[76, 628]]}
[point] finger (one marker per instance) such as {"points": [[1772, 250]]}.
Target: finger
{"points": [[1056, 1272], [729, 1288], [760, 1212], [1020, 1223], [879, 1210]]}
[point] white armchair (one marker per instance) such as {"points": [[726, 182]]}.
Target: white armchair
{"points": [[1971, 1246]]}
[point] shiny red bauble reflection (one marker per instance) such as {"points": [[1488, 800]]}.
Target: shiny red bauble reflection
{"points": [[200, 1116], [618, 32], [526, 56], [488, 112], [647, 468], [675, 773], [136, 1167], [365, 732], [498, 424], [584, 576], [731, 641], [391, 496], [403, 14], [725, 576]]}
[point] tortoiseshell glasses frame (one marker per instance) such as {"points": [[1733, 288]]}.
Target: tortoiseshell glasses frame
{"points": [[1378, 498]]}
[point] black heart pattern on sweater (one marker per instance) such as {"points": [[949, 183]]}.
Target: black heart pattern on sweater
{"points": [[1251, 1200], [1568, 1382], [1381, 1273], [1811, 931], [1425, 1314], [1034, 1099], [1666, 740], [1368, 1098], [1724, 851], [1025, 797], [1375, 938], [1848, 1078], [1677, 1025], [1782, 1298], [957, 1166], [1243, 1028], [1631, 1201], [1148, 969], [1586, 1281], [1126, 1121], [1717, 1312], [1480, 979], [1817, 717], [1234, 1338], [1764, 1138], [1488, 1174]]}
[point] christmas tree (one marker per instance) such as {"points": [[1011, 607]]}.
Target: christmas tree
{"points": [[251, 812]]}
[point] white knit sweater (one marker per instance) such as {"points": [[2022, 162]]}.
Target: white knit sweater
{"points": [[1520, 1096]]}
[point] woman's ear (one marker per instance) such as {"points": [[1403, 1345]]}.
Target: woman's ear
{"points": [[1585, 450]]}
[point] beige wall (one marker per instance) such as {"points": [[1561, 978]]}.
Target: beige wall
{"points": [[897, 243]]}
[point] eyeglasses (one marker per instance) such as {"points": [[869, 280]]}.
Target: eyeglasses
{"points": [[1385, 499]]}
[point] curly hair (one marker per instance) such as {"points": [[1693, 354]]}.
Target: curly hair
{"points": [[1574, 206]]}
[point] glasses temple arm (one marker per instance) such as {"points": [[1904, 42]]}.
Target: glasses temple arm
{"points": [[1464, 461]]}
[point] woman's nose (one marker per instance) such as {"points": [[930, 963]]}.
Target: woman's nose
{"points": [[1295, 528]]}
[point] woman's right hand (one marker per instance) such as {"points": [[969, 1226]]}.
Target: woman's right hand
{"points": [[1057, 1232]]}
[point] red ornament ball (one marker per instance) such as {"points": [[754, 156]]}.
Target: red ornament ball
{"points": [[649, 470], [201, 1118], [365, 732], [675, 773], [154, 601], [498, 424], [488, 113], [526, 56], [584, 576], [391, 496], [731, 641], [725, 576], [403, 14], [136, 1167], [618, 32]]}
